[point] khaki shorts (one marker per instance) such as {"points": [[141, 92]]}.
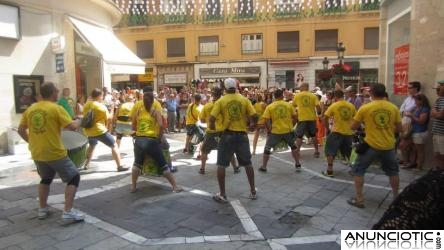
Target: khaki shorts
{"points": [[438, 144], [420, 138]]}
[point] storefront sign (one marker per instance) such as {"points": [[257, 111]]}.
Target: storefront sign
{"points": [[175, 78], [230, 71], [147, 77], [59, 62], [401, 69], [26, 89]]}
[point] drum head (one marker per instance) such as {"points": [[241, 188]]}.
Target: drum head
{"points": [[72, 140]]}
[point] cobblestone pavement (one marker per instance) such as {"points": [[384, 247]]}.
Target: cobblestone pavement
{"points": [[303, 210]]}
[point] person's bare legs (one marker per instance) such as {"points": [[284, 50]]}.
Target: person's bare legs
{"points": [[221, 180], [394, 183], [359, 185], [297, 155], [70, 193], [116, 155], [203, 161], [315, 144], [89, 154], [43, 195], [187, 143], [134, 177], [265, 158], [167, 174], [234, 162], [255, 139], [250, 175], [419, 148]]}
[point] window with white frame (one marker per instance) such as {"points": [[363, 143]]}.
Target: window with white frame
{"points": [[326, 40], [213, 8], [176, 47], [245, 8], [252, 43], [287, 6], [173, 7], [288, 41], [371, 38], [208, 46]]}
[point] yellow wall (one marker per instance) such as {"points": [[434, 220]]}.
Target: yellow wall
{"points": [[350, 31]]}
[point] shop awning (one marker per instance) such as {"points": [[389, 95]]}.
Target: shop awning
{"points": [[117, 57]]}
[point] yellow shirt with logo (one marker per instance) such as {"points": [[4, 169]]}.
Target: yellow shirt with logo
{"points": [[139, 104], [125, 111], [306, 103], [101, 116], [205, 115], [259, 107], [235, 110], [44, 121], [342, 113], [192, 114], [146, 124], [281, 114], [380, 118]]}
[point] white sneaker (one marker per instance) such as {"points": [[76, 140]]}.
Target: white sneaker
{"points": [[43, 213], [72, 216]]}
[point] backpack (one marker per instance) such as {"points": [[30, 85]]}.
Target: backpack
{"points": [[88, 120]]}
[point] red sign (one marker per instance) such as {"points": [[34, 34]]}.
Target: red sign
{"points": [[401, 69]]}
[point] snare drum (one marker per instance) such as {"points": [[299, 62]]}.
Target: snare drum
{"points": [[76, 144], [150, 167]]}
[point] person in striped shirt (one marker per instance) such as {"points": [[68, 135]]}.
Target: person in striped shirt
{"points": [[437, 113]]}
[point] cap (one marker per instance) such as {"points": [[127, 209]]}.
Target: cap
{"points": [[319, 93], [230, 83], [440, 82], [350, 88]]}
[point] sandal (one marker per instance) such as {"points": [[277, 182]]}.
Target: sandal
{"points": [[236, 170], [328, 173], [122, 169], [177, 190], [219, 198], [298, 167], [253, 196], [316, 155], [354, 202], [262, 169], [201, 171]]}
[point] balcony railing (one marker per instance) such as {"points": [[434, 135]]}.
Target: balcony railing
{"points": [[129, 19]]}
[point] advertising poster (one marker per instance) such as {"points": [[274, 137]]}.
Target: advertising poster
{"points": [[401, 69], [26, 89]]}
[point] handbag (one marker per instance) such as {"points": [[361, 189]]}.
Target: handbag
{"points": [[406, 130], [88, 120]]}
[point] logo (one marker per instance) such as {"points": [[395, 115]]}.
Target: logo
{"points": [[381, 118], [281, 112], [305, 100], [234, 110], [344, 113], [38, 121], [391, 239]]}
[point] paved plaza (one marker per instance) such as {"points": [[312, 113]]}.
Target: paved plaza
{"points": [[303, 210]]}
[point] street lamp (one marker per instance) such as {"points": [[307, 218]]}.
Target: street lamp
{"points": [[325, 63], [340, 50]]}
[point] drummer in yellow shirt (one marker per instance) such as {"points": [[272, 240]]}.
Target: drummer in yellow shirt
{"points": [[341, 136], [123, 121], [191, 118], [307, 105], [212, 136], [148, 126], [41, 126], [99, 131], [279, 119], [259, 106]]}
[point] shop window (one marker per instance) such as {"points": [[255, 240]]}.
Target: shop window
{"points": [[145, 49], [245, 8], [251, 43], [176, 47], [208, 46], [326, 40], [288, 41], [371, 38]]}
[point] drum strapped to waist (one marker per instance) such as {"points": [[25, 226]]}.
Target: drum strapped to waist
{"points": [[76, 144]]}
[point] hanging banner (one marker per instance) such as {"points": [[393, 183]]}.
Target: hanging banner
{"points": [[401, 69]]}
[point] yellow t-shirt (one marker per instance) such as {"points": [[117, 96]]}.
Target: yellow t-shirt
{"points": [[281, 114], [342, 113], [146, 124], [259, 107], [44, 121], [380, 118], [205, 115], [192, 114], [139, 104], [306, 103], [101, 116], [235, 110], [124, 111]]}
